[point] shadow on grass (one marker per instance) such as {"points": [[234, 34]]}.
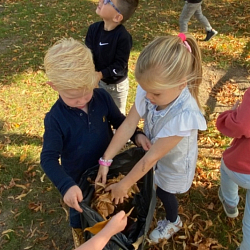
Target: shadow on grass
{"points": [[233, 72]]}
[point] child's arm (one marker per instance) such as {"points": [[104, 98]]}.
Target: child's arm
{"points": [[235, 122], [98, 242], [161, 147], [122, 134], [51, 151]]}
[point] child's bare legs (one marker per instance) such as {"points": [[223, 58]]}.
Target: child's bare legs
{"points": [[229, 186], [119, 93]]}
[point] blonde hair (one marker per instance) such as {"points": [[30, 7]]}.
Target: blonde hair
{"points": [[166, 63], [69, 65]]}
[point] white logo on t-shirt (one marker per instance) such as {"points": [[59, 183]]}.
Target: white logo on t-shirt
{"points": [[114, 71], [101, 44]]}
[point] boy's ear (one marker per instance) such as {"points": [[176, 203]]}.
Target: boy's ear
{"points": [[118, 18], [52, 85]]}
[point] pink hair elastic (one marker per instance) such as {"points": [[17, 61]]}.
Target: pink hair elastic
{"points": [[183, 38]]}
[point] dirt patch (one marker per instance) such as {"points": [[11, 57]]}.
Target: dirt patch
{"points": [[215, 78]]}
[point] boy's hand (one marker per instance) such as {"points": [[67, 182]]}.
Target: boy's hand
{"points": [[102, 174], [72, 197], [142, 141], [118, 192]]}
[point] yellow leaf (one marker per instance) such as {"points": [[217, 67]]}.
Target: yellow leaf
{"points": [[8, 231], [97, 227], [42, 178], [28, 247], [21, 186], [19, 197], [22, 157]]}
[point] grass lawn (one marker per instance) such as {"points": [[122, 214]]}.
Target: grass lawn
{"points": [[32, 214]]}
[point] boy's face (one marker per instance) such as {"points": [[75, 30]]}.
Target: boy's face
{"points": [[76, 98], [107, 11]]}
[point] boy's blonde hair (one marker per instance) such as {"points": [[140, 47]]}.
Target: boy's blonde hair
{"points": [[166, 63], [127, 8], [69, 65]]}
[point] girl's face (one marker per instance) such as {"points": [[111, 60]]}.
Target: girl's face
{"points": [[163, 97], [76, 98]]}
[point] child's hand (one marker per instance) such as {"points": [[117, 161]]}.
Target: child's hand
{"points": [[118, 192], [117, 223], [102, 174], [99, 75], [72, 197], [236, 105], [142, 141]]}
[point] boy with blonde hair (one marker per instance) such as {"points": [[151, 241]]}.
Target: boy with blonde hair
{"points": [[78, 126], [110, 44]]}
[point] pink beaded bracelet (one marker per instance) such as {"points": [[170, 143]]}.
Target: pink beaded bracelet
{"points": [[106, 163]]}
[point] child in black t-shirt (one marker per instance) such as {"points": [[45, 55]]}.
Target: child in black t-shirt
{"points": [[110, 44]]}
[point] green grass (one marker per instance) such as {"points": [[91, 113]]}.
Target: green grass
{"points": [[32, 215]]}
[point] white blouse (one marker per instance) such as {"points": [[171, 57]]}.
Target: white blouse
{"points": [[175, 171]]}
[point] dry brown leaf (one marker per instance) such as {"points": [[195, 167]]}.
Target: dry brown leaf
{"points": [[130, 211], [138, 242], [102, 202]]}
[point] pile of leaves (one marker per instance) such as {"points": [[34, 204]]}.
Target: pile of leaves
{"points": [[102, 202]]}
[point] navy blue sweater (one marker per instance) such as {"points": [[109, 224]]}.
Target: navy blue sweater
{"points": [[110, 51], [76, 138]]}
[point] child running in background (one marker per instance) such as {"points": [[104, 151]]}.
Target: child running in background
{"points": [[193, 8], [235, 163], [169, 72], [110, 44], [115, 225], [78, 128]]}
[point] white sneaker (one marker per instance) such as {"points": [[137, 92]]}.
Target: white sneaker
{"points": [[165, 229]]}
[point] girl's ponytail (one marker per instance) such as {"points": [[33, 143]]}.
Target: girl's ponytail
{"points": [[194, 82]]}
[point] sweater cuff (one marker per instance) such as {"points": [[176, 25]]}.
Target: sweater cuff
{"points": [[65, 186], [137, 131]]}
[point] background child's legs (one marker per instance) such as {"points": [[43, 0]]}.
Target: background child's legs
{"points": [[187, 12], [229, 188], [246, 223], [229, 184], [119, 93], [202, 19], [170, 204]]}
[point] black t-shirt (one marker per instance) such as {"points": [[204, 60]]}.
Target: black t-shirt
{"points": [[110, 50]]}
